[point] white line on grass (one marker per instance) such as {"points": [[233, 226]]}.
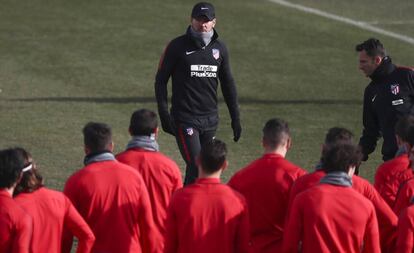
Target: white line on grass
{"points": [[345, 20], [395, 22]]}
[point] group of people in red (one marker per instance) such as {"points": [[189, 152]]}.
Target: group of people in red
{"points": [[135, 201]]}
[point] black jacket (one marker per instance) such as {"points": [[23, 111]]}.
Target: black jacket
{"points": [[388, 97], [195, 70]]}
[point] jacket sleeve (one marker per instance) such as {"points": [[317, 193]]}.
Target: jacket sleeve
{"points": [[67, 237], [405, 241], [371, 236], [382, 185], [228, 86], [295, 189], [150, 239], [371, 131], [171, 227], [178, 180], [243, 233], [79, 228], [403, 198], [293, 229], [165, 70], [387, 220], [23, 237]]}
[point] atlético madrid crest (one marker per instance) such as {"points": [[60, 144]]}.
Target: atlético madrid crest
{"points": [[216, 53], [190, 131], [395, 89]]}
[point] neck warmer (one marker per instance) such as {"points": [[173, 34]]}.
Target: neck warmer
{"points": [[202, 36], [98, 157], [401, 151], [337, 178], [144, 142]]}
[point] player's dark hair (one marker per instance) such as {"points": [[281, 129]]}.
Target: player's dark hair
{"points": [[373, 47], [341, 156], [31, 180], [213, 156], [335, 136], [11, 165], [403, 126], [97, 136], [275, 132], [143, 122], [338, 135]]}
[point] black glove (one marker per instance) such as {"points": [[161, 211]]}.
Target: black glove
{"points": [[167, 123], [237, 129]]}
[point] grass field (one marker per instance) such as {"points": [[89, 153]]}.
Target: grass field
{"points": [[64, 63]]}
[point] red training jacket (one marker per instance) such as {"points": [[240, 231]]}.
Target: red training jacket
{"points": [[207, 217], [114, 201], [161, 176], [332, 219], [390, 176], [405, 242], [15, 226], [51, 211], [265, 183], [386, 218]]}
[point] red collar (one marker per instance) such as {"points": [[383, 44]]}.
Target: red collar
{"points": [[208, 181], [272, 155]]}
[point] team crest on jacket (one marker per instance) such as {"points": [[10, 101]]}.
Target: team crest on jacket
{"points": [[190, 131], [395, 89], [216, 53]]}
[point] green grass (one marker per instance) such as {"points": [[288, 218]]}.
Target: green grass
{"points": [[64, 63]]}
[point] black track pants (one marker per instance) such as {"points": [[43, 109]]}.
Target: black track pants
{"points": [[190, 140]]}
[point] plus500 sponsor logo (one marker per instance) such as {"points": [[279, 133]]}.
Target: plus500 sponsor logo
{"points": [[203, 71]]}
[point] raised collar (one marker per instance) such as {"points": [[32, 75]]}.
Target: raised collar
{"points": [[384, 69], [98, 157], [272, 155], [208, 181], [198, 42]]}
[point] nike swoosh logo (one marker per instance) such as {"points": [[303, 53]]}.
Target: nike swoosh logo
{"points": [[189, 52], [373, 99]]}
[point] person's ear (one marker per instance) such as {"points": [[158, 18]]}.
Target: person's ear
{"points": [[351, 170], [288, 143], [377, 60], [225, 165], [111, 146], [323, 147], [87, 150], [156, 131]]}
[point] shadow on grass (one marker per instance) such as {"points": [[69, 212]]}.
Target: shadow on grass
{"points": [[242, 100]]}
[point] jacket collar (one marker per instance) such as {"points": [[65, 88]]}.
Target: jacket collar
{"points": [[384, 69], [337, 178], [98, 157], [198, 42], [208, 181]]}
